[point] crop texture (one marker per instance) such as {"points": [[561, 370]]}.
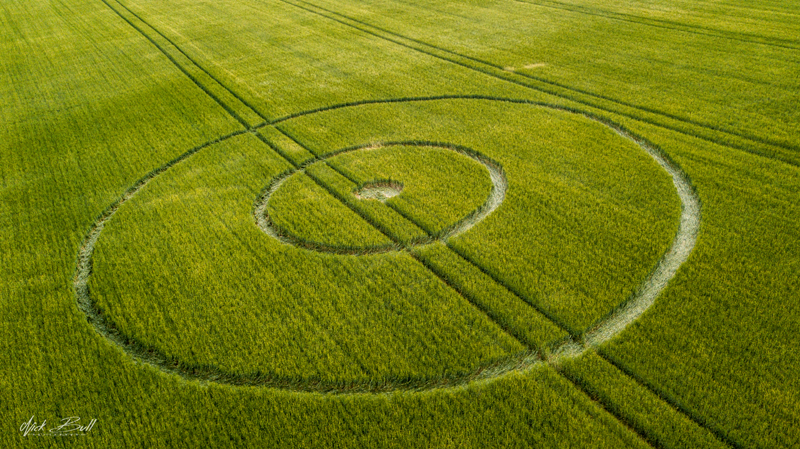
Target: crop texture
{"points": [[505, 223]]}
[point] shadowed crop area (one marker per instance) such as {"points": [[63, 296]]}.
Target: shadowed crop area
{"points": [[374, 223]]}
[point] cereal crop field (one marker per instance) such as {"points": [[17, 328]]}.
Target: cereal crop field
{"points": [[399, 224]]}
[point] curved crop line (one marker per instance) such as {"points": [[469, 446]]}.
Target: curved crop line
{"points": [[499, 72], [668, 266], [493, 201], [494, 195], [205, 373], [266, 224], [604, 330], [729, 144]]}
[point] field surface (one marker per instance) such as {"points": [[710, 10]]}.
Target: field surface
{"points": [[381, 223]]}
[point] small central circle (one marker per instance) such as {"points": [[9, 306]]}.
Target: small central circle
{"points": [[423, 191], [379, 190]]}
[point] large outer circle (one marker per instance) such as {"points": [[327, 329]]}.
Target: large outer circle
{"points": [[612, 325]]}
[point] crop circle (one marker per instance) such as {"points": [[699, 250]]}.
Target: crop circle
{"points": [[602, 331]]}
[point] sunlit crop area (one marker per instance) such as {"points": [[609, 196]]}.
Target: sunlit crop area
{"points": [[506, 223]]}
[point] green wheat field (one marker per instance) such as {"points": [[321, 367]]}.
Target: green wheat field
{"points": [[399, 224]]}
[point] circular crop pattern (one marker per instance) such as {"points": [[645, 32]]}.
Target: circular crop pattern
{"points": [[332, 239], [404, 244]]}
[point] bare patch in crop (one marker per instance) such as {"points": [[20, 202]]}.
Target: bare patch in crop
{"points": [[534, 66], [379, 190], [525, 67]]}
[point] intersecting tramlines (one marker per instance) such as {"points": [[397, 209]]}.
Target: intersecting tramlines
{"points": [[523, 322], [539, 328], [337, 178]]}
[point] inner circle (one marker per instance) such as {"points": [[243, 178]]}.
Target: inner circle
{"points": [[337, 188]]}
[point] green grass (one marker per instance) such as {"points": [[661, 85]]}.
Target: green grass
{"points": [[99, 95]]}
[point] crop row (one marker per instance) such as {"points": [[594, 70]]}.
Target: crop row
{"points": [[717, 344], [90, 106], [385, 219]]}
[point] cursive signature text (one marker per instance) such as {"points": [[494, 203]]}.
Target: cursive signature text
{"points": [[70, 426]]}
